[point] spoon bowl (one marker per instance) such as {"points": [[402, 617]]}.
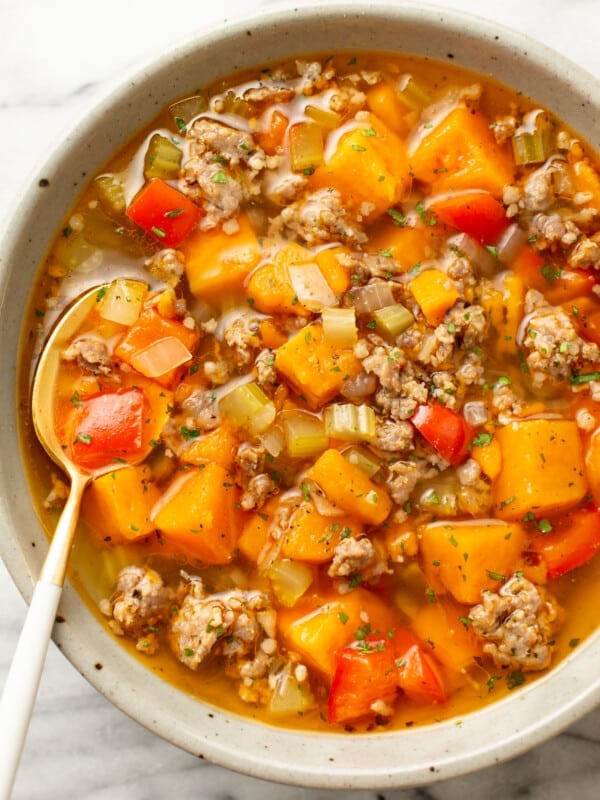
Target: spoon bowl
{"points": [[20, 689]]}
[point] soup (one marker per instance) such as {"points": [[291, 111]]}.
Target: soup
{"points": [[344, 357]]}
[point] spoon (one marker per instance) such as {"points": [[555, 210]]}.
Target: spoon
{"points": [[20, 689]]}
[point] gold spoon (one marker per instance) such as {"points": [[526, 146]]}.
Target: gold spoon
{"points": [[20, 689]]}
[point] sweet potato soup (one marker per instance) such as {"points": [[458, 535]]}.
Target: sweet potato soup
{"points": [[344, 359]]}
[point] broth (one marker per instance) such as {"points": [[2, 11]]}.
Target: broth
{"points": [[349, 313]]}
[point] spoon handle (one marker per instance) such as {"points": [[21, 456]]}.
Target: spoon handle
{"points": [[22, 682], [20, 689]]}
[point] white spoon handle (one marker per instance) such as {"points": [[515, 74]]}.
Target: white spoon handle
{"points": [[20, 689]]}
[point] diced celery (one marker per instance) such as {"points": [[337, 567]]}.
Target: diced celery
{"points": [[100, 231], [363, 459], [339, 326], [123, 300], [391, 321], [247, 406], [323, 117], [290, 580], [80, 254], [532, 148], [412, 94], [110, 194], [162, 159], [306, 146], [184, 111], [350, 423], [304, 434]]}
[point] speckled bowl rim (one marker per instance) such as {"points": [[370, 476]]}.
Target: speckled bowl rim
{"points": [[333, 761]]}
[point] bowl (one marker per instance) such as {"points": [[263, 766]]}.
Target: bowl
{"points": [[398, 759]]}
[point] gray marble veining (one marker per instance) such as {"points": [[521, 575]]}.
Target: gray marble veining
{"points": [[54, 58]]}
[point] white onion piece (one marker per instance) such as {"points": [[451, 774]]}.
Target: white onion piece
{"points": [[323, 505], [122, 301], [310, 287], [372, 297], [476, 413], [273, 441], [479, 256], [509, 244], [160, 357]]}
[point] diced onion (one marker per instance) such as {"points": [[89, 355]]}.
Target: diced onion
{"points": [[363, 459], [350, 423], [290, 696], [273, 440], [339, 326], [306, 146], [476, 413], [323, 504], [509, 244], [122, 302], [440, 496], [310, 287], [247, 406], [371, 297], [290, 580], [304, 434], [393, 320], [479, 256], [160, 357]]}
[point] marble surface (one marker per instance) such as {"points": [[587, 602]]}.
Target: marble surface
{"points": [[55, 57]]}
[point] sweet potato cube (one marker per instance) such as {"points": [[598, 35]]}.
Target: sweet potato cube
{"points": [[435, 293], [255, 532], [218, 446], [311, 537], [405, 246], [466, 557], [369, 168], [542, 468], [316, 629], [383, 101], [348, 487], [455, 646], [461, 152], [217, 263], [118, 504], [270, 287], [315, 368], [334, 272], [197, 513]]}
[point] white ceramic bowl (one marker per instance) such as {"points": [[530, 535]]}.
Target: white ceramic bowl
{"points": [[405, 758]]}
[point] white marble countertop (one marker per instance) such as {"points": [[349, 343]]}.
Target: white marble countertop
{"points": [[55, 57]]}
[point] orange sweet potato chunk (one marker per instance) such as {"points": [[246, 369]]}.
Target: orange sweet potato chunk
{"points": [[462, 153], [197, 514], [369, 168], [315, 368], [217, 263], [319, 626]]}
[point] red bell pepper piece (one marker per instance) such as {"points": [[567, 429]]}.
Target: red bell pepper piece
{"points": [[108, 427], [364, 673], [418, 676], [446, 430], [477, 214], [164, 212], [575, 538]]}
